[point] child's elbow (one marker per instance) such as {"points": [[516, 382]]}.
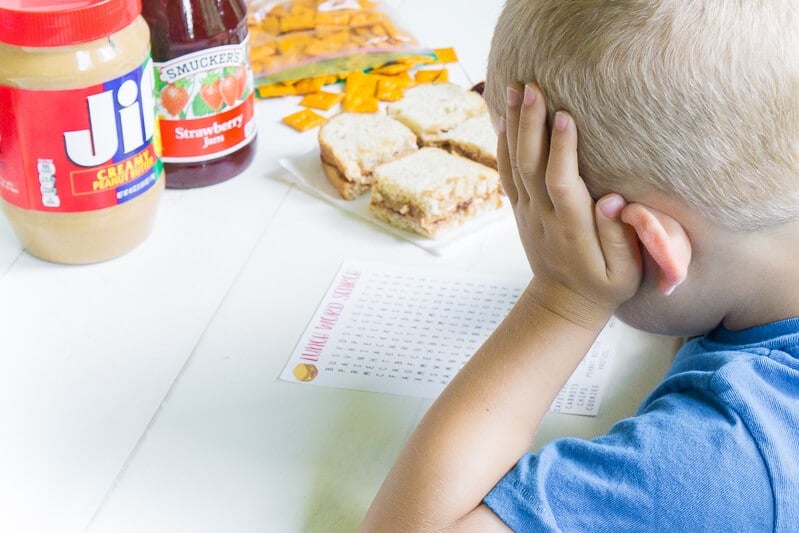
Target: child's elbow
{"points": [[481, 520]]}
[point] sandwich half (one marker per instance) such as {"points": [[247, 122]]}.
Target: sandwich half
{"points": [[351, 145], [474, 138], [432, 109], [431, 191]]}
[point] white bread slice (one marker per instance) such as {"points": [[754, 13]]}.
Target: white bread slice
{"points": [[430, 109], [351, 145], [432, 190], [474, 138]]}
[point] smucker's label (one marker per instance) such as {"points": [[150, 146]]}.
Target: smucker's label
{"points": [[88, 149], [205, 104]]}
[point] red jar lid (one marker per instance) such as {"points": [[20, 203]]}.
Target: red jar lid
{"points": [[47, 23]]}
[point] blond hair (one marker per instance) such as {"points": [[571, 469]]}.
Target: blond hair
{"points": [[697, 98]]}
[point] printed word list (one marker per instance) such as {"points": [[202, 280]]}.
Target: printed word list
{"points": [[408, 331]]}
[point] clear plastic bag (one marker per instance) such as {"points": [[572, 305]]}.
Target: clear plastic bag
{"points": [[301, 39]]}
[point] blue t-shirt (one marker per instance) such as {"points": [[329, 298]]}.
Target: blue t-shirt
{"points": [[715, 447]]}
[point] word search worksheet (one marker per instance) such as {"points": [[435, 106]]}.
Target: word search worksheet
{"points": [[403, 330]]}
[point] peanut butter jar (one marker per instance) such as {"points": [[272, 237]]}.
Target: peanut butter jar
{"points": [[80, 176]]}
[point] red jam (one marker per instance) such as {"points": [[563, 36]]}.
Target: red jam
{"points": [[204, 84]]}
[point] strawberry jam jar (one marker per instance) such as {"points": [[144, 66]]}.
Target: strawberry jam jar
{"points": [[204, 89]]}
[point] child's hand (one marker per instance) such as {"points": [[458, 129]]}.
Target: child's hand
{"points": [[585, 260]]}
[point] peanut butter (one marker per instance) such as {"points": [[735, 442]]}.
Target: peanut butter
{"points": [[80, 178]]}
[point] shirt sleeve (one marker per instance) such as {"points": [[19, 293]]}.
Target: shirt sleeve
{"points": [[684, 463]]}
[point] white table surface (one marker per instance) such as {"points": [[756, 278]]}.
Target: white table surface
{"points": [[141, 394]]}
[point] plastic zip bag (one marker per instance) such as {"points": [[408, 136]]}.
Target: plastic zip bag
{"points": [[301, 39]]}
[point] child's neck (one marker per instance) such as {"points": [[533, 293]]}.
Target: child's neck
{"points": [[766, 278]]}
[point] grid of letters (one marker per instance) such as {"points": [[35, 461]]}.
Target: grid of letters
{"points": [[407, 328]]}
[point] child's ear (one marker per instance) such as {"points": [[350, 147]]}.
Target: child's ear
{"points": [[665, 240]]}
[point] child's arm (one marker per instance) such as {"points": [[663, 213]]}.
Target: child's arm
{"points": [[585, 263]]}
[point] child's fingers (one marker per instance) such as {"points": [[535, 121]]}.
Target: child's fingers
{"points": [[503, 162], [514, 101], [533, 145], [617, 239], [566, 188]]}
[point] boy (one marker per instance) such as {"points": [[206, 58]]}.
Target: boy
{"points": [[677, 210]]}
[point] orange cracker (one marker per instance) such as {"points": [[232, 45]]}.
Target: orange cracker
{"points": [[416, 60], [393, 32], [427, 76], [270, 25], [293, 43], [403, 80], [359, 93], [309, 85], [341, 19], [297, 22], [276, 89], [356, 103], [446, 55], [304, 120], [378, 30], [361, 84], [393, 69], [323, 100], [366, 18], [389, 90]]}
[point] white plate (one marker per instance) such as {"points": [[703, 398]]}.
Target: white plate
{"points": [[305, 171]]}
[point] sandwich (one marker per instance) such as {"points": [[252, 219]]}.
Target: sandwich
{"points": [[431, 191], [353, 144], [433, 109], [474, 138]]}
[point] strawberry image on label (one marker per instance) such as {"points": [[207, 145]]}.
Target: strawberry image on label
{"points": [[241, 80], [174, 98], [209, 92], [229, 90]]}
